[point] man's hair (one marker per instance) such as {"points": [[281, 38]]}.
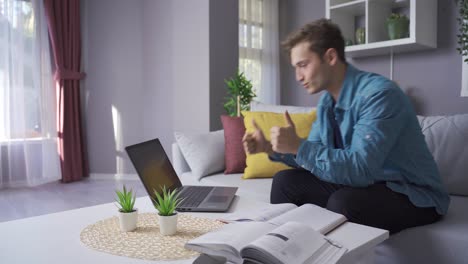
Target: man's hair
{"points": [[321, 35]]}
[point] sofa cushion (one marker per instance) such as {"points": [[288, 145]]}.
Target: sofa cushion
{"points": [[446, 137], [442, 242], [234, 155], [203, 152], [178, 161], [261, 107], [259, 165]]}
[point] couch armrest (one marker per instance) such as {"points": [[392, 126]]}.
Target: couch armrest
{"points": [[178, 161]]}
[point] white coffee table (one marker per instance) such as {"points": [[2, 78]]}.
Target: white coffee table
{"points": [[55, 238]]}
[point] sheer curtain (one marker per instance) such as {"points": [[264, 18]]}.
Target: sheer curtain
{"points": [[259, 47], [28, 137]]}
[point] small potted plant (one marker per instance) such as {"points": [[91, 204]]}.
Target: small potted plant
{"points": [[128, 216], [240, 94], [397, 26], [462, 28], [166, 203], [361, 35]]}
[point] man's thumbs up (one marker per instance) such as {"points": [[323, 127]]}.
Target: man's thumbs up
{"points": [[285, 139], [255, 142], [254, 124], [289, 121]]}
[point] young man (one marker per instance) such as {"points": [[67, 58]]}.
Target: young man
{"points": [[365, 156]]}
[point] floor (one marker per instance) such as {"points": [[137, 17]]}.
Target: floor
{"points": [[17, 203]]}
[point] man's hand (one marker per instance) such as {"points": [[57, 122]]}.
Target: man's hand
{"points": [[256, 142], [285, 139]]}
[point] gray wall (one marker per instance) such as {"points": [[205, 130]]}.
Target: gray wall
{"points": [[191, 65], [431, 78], [114, 86], [158, 93], [153, 67], [224, 54]]}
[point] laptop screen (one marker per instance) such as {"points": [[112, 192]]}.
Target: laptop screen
{"points": [[153, 166]]}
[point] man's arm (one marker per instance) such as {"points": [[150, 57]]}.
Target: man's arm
{"points": [[288, 159], [375, 133], [314, 135]]}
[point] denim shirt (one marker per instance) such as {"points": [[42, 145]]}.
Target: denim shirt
{"points": [[382, 142]]}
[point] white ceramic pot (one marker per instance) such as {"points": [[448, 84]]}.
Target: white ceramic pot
{"points": [[128, 221], [168, 224]]}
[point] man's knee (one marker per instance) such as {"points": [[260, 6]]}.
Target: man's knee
{"points": [[282, 182], [345, 202], [284, 176]]}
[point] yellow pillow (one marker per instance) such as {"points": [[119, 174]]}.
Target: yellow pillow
{"points": [[259, 165]]}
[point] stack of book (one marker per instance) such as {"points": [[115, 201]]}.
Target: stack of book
{"points": [[277, 234]]}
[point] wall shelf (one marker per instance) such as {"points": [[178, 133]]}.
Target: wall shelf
{"points": [[372, 14]]}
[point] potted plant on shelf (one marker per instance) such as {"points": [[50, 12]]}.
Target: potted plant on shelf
{"points": [[240, 94], [128, 215], [463, 28], [361, 35], [166, 203], [397, 26]]}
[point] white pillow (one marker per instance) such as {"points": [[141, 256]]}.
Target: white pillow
{"points": [[204, 153], [261, 107], [446, 137]]}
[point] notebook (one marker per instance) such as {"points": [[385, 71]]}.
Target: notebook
{"points": [[155, 170]]}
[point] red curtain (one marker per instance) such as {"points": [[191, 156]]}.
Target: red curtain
{"points": [[63, 17]]}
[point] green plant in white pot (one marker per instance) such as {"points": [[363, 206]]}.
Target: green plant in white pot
{"points": [[397, 26], [128, 215], [462, 35], [166, 203], [240, 94]]}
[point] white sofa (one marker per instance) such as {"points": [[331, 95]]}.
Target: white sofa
{"points": [[443, 242]]}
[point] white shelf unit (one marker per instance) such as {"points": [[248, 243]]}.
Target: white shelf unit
{"points": [[422, 15]]}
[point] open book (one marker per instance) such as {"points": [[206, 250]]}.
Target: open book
{"points": [[312, 215], [288, 237]]}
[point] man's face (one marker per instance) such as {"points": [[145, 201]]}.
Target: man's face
{"points": [[311, 71]]}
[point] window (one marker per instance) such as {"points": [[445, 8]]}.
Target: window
{"points": [[20, 70], [250, 40], [28, 134], [259, 47]]}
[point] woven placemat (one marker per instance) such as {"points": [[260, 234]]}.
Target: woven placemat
{"points": [[146, 242]]}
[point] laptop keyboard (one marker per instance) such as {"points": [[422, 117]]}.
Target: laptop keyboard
{"points": [[193, 196]]}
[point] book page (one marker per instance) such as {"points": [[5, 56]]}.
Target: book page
{"points": [[260, 214], [292, 242], [229, 239], [314, 216], [330, 254], [209, 259]]}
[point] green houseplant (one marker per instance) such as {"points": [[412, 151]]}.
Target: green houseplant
{"points": [[398, 26], [128, 215], [360, 35], [240, 94], [166, 203], [463, 28]]}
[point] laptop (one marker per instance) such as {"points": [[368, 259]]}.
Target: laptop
{"points": [[155, 170]]}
